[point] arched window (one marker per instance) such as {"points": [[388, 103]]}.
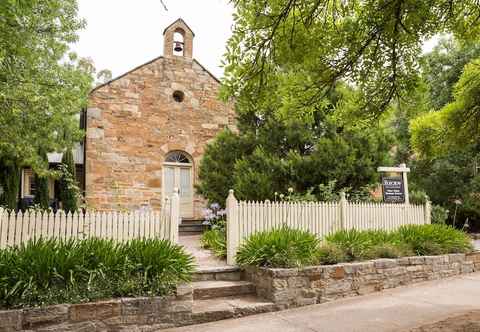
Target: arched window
{"points": [[178, 157]]}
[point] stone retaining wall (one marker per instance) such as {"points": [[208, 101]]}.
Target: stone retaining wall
{"points": [[126, 314], [284, 287], [318, 284]]}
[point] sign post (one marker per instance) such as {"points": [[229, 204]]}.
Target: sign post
{"points": [[395, 189]]}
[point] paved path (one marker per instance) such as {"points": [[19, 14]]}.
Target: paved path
{"points": [[476, 244], [399, 309], [203, 258]]}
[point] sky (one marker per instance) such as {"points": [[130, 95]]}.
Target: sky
{"points": [[123, 34]]}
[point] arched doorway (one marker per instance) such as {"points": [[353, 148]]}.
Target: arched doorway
{"points": [[178, 173]]}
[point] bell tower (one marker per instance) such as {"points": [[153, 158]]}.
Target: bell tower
{"points": [[178, 40]]}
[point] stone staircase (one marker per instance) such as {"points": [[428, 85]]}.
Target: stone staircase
{"points": [[191, 227], [221, 293]]}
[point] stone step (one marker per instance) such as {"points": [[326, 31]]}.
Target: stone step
{"points": [[191, 228], [191, 222], [229, 307], [222, 273], [212, 289]]}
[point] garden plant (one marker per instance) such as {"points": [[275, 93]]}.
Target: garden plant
{"points": [[286, 247], [43, 272]]}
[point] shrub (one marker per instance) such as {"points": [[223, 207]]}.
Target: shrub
{"points": [[418, 197], [215, 239], [51, 271], [329, 253], [355, 244], [388, 250], [434, 239], [439, 215], [281, 247], [69, 193]]}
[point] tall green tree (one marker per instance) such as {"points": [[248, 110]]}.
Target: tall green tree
{"points": [[69, 192], [42, 197], [307, 47], [41, 87], [271, 154], [10, 174]]}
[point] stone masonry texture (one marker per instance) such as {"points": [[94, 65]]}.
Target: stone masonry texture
{"points": [[297, 287], [285, 288], [133, 122]]}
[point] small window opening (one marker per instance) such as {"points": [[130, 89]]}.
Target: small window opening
{"points": [[178, 96]]}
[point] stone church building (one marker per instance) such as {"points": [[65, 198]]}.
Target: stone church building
{"points": [[148, 128]]}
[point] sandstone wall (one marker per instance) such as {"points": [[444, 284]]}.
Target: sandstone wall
{"points": [[133, 122], [127, 314], [318, 284]]}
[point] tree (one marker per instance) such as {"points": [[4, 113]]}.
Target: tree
{"points": [[104, 76], [69, 192], [271, 154], [442, 68], [41, 88], [217, 165], [457, 124], [307, 47], [442, 150], [10, 182], [42, 197]]}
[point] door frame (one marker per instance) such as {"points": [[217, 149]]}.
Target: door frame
{"points": [[175, 166]]}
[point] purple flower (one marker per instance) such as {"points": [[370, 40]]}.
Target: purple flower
{"points": [[215, 206]]}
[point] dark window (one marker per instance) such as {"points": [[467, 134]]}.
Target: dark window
{"points": [[178, 96]]}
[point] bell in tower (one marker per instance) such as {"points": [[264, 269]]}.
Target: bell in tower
{"points": [[178, 46], [178, 40]]}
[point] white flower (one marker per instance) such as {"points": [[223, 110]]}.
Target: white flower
{"points": [[290, 190]]}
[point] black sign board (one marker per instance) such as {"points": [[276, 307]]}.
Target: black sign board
{"points": [[393, 191]]}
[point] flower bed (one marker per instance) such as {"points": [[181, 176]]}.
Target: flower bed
{"points": [[53, 271]]}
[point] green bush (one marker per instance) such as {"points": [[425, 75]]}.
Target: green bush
{"points": [[286, 247], [356, 244], [439, 215], [51, 271], [388, 250], [434, 239], [329, 253], [418, 197], [281, 247], [215, 240]]}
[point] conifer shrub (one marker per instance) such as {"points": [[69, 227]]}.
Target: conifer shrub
{"points": [[69, 192], [44, 272]]}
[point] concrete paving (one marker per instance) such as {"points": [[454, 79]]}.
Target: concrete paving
{"points": [[476, 244], [400, 309]]}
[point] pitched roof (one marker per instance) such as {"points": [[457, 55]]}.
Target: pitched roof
{"points": [[181, 21], [145, 64]]}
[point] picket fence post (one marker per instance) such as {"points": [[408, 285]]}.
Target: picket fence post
{"points": [[232, 227], [343, 205], [428, 211], [174, 215]]}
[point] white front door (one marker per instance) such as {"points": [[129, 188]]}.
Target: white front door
{"points": [[180, 176]]}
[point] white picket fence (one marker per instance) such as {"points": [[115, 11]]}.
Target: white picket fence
{"points": [[320, 218], [16, 228]]}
